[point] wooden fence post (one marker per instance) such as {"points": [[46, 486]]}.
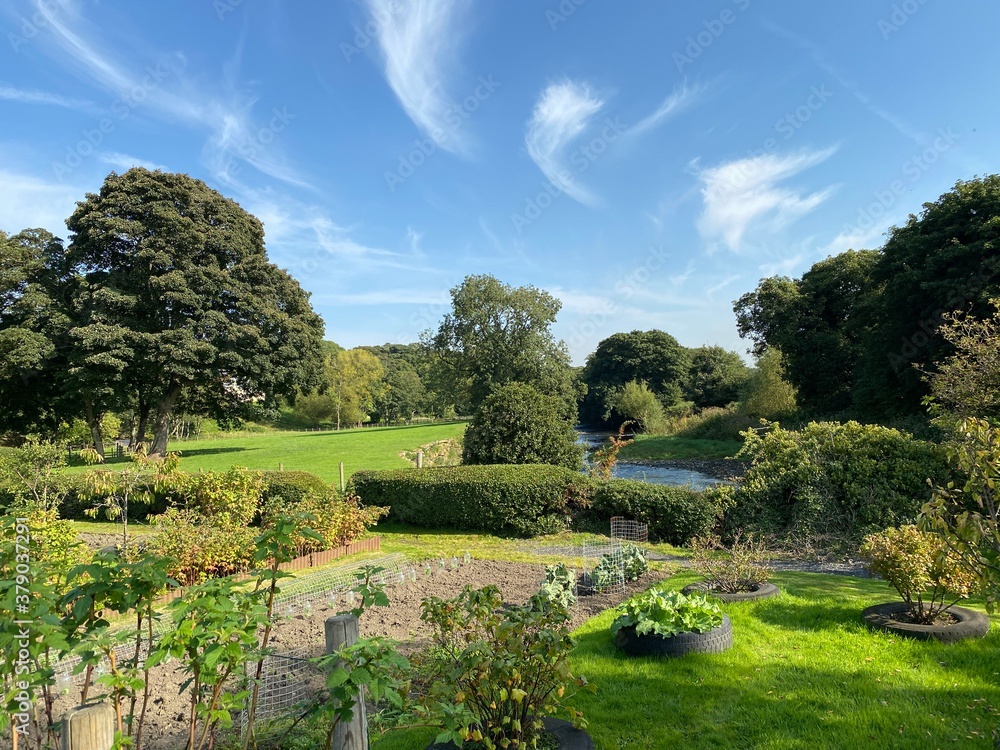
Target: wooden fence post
{"points": [[342, 630], [342, 485], [420, 459], [89, 727], [281, 466]]}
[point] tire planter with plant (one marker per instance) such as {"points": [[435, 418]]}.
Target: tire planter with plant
{"points": [[565, 734], [967, 623], [670, 625], [758, 591]]}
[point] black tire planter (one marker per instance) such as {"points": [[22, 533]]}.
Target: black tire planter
{"points": [[715, 641], [971, 624], [570, 738], [763, 591]]}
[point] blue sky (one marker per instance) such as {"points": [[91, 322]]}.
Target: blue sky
{"points": [[647, 162]]}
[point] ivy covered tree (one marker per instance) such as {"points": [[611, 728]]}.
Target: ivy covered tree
{"points": [[176, 301]]}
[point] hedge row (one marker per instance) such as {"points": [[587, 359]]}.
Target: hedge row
{"points": [[288, 486], [528, 500]]}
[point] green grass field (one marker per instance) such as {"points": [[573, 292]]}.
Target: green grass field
{"points": [[651, 447], [803, 673], [317, 452]]}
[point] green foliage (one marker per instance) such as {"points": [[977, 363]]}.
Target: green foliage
{"points": [[199, 548], [767, 395], [740, 567], [33, 474], [673, 514], [313, 408], [819, 324], [496, 671], [920, 567], [939, 261], [230, 498], [716, 377], [833, 480], [517, 424], [628, 565], [665, 614], [522, 500], [558, 586], [355, 378], [335, 520], [653, 357], [404, 394], [966, 514], [55, 542], [634, 564], [635, 402], [290, 487], [714, 424], [496, 334]]}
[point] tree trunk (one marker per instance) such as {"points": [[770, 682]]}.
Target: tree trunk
{"points": [[161, 425], [94, 422], [140, 432]]}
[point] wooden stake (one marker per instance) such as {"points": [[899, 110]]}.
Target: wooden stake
{"points": [[342, 630], [89, 727], [342, 485]]}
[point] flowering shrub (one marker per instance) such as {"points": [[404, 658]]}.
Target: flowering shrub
{"points": [[920, 567]]}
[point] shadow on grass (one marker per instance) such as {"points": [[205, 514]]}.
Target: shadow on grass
{"points": [[365, 430], [213, 451]]}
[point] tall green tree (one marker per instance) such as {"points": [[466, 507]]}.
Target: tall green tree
{"points": [[716, 376], [497, 334], [767, 394], [653, 357], [818, 322], [944, 260], [175, 282], [403, 394], [355, 382]]}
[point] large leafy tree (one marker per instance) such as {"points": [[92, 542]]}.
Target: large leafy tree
{"points": [[945, 259], [355, 381], [497, 334], [818, 323], [176, 289], [653, 357], [716, 377]]}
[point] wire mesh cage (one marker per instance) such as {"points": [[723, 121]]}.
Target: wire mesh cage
{"points": [[629, 531], [603, 568], [288, 680]]}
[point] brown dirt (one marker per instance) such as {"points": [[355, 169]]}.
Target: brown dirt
{"points": [[303, 634]]}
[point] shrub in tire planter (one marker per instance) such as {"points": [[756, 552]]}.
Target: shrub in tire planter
{"points": [[927, 574], [671, 624], [738, 573]]}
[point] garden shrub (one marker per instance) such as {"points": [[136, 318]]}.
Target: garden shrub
{"points": [[524, 500], [337, 520], [832, 481], [674, 514], [199, 549], [919, 565], [228, 498], [742, 569], [558, 586], [292, 486]]}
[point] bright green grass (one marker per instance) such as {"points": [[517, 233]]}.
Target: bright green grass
{"points": [[671, 446], [803, 673], [317, 452]]}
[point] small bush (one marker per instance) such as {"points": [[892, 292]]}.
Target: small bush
{"points": [[199, 549], [338, 520], [921, 567], [524, 500], [674, 514], [740, 570], [228, 498], [832, 481], [558, 585], [716, 424], [291, 486]]}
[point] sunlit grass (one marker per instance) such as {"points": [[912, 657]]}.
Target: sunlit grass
{"points": [[652, 447]]}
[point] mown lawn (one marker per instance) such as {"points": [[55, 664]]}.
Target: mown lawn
{"points": [[317, 452], [651, 447], [803, 673]]}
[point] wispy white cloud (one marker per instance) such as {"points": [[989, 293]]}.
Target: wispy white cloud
{"points": [[746, 192], [418, 39], [561, 114], [124, 162], [27, 202], [681, 98], [31, 96]]}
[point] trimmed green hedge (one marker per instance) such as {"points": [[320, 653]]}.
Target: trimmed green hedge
{"points": [[522, 500], [292, 486], [533, 499], [674, 514]]}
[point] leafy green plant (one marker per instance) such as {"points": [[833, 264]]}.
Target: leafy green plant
{"points": [[628, 564], [558, 585], [921, 568], [634, 563], [198, 548], [228, 498], [666, 614], [740, 567], [336, 520], [32, 474], [495, 671]]}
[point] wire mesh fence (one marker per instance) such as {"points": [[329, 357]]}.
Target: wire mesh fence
{"points": [[288, 680], [603, 568], [629, 531]]}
